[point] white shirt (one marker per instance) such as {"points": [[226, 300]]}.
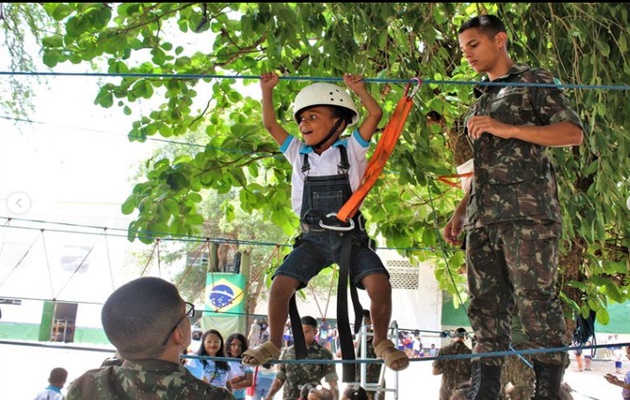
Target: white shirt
{"points": [[50, 393], [211, 374], [324, 164]]}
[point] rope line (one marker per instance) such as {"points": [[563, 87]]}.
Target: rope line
{"points": [[47, 258], [157, 241], [127, 136], [4, 238], [109, 259], [76, 270], [174, 238], [22, 258], [189, 266], [327, 361], [313, 78]]}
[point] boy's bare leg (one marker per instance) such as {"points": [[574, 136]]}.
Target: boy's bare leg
{"points": [[380, 292], [282, 288]]}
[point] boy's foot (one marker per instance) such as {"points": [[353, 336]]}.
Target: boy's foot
{"points": [[261, 354], [395, 359]]}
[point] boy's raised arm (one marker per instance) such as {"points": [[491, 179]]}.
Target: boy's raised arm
{"points": [[375, 112], [268, 82]]}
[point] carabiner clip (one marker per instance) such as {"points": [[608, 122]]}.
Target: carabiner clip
{"points": [[337, 228], [415, 89]]}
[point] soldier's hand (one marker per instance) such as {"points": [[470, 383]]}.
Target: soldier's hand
{"points": [[480, 124], [453, 229]]}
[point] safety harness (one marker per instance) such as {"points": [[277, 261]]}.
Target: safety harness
{"points": [[344, 222]]}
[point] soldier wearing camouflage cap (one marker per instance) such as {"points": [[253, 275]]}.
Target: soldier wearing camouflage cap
{"points": [[511, 213], [293, 376], [148, 323]]}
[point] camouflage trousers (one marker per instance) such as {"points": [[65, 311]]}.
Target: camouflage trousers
{"points": [[512, 268]]}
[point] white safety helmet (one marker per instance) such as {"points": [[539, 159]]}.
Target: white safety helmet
{"points": [[324, 94]]}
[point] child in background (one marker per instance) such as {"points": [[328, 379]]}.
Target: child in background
{"points": [[578, 358], [320, 394], [56, 381], [235, 345], [588, 357], [354, 392], [216, 372]]}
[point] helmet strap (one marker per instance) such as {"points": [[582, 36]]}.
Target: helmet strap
{"points": [[333, 130]]}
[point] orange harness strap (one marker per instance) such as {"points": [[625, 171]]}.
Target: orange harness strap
{"points": [[384, 149], [447, 178]]}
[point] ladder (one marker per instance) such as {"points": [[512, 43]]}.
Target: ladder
{"points": [[379, 387]]}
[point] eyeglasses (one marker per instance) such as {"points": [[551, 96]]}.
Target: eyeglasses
{"points": [[190, 312]]}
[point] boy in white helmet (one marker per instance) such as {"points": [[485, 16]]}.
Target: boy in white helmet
{"points": [[326, 170]]}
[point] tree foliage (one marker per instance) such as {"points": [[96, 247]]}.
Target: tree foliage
{"points": [[20, 23], [232, 43]]}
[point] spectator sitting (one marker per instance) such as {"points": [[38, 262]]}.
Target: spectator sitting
{"points": [[216, 370], [56, 381], [315, 391], [354, 392], [320, 394], [307, 388], [148, 323]]}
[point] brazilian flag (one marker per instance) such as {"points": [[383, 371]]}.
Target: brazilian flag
{"points": [[224, 293]]}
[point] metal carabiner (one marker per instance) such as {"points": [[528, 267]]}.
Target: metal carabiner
{"points": [[415, 89], [337, 228]]}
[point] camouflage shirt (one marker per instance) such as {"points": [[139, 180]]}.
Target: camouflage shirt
{"points": [[515, 180], [143, 380], [454, 371], [373, 370], [295, 375]]}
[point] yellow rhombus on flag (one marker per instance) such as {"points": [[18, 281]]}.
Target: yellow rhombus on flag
{"points": [[224, 293]]}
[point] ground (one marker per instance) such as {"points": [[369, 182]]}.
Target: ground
{"points": [[24, 370]]}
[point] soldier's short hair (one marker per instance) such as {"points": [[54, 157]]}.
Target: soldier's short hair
{"points": [[461, 332], [488, 24], [308, 320], [138, 315]]}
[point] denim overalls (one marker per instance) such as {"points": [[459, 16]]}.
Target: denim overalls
{"points": [[318, 247]]}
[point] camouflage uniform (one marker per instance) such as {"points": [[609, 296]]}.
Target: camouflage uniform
{"points": [[513, 219], [454, 371], [143, 380], [296, 375], [373, 370], [518, 379]]}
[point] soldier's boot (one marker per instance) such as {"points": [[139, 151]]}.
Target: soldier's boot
{"points": [[485, 382], [548, 381]]}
